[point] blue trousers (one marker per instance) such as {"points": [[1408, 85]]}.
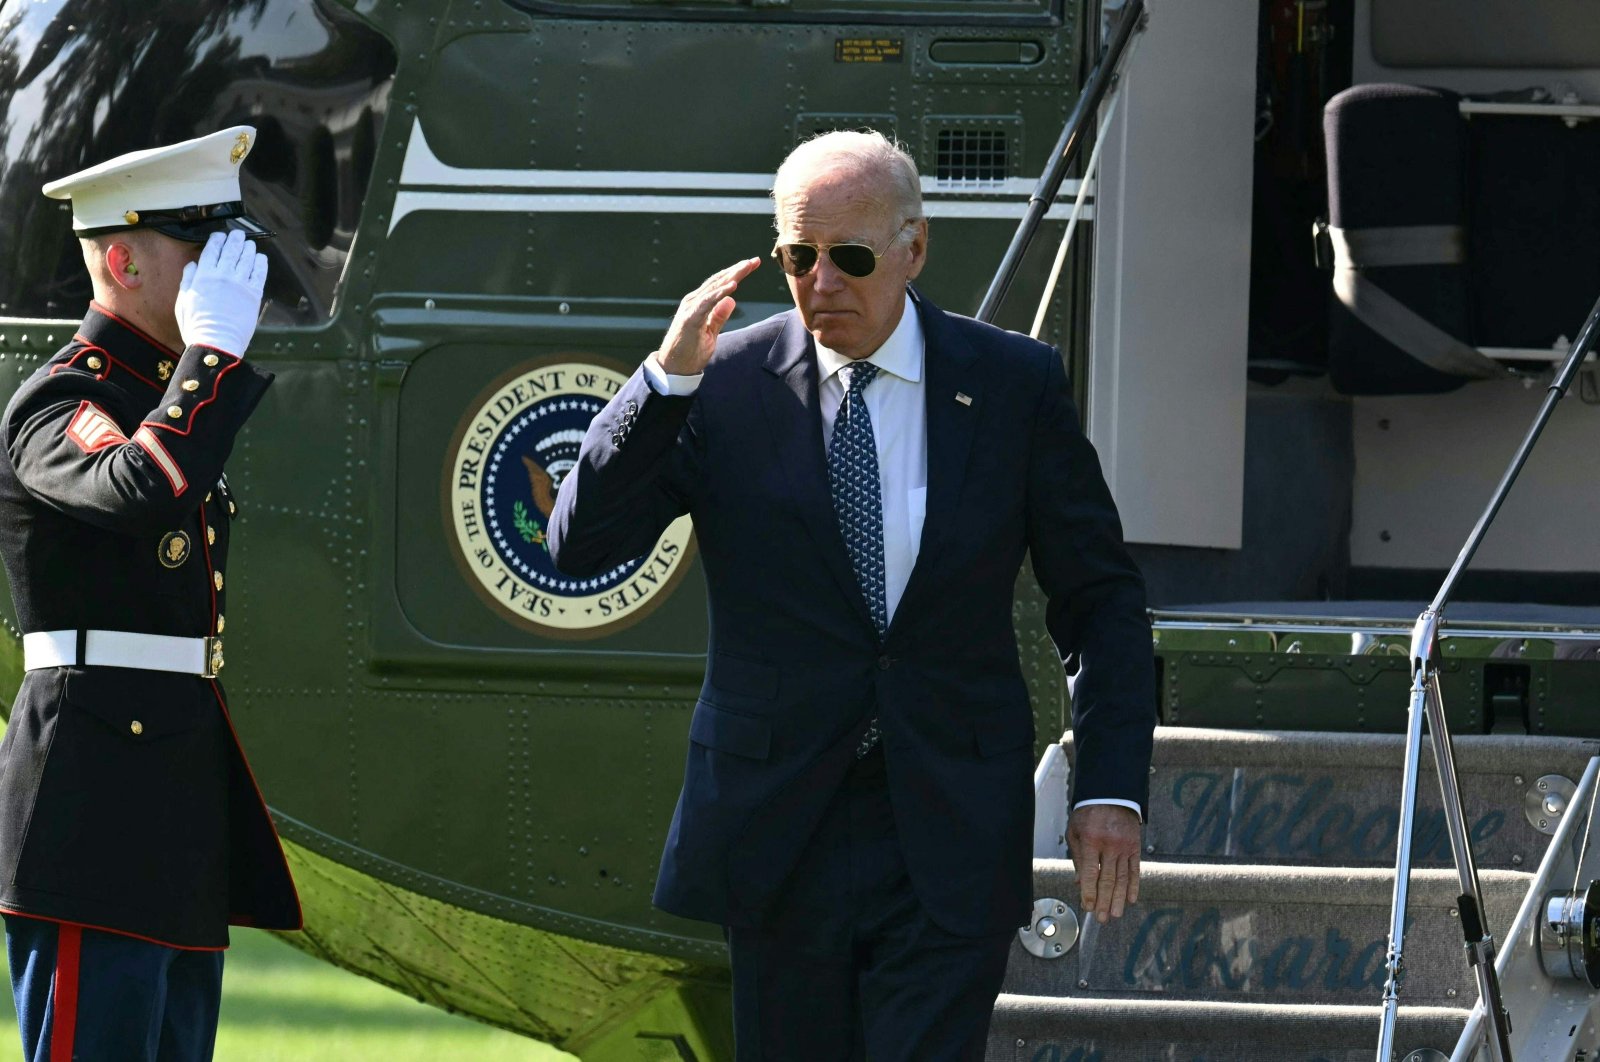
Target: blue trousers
{"points": [[87, 996], [849, 967]]}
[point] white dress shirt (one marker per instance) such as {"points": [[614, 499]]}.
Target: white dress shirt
{"points": [[899, 412]]}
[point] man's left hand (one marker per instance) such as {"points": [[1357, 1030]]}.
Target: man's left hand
{"points": [[1104, 840]]}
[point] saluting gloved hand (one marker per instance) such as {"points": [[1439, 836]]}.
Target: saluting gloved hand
{"points": [[219, 298]]}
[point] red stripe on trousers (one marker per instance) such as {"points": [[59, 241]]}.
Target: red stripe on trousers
{"points": [[64, 1018]]}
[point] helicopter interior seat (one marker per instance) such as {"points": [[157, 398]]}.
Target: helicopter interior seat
{"points": [[1453, 238]]}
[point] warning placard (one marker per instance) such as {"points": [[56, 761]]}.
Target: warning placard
{"points": [[869, 50]]}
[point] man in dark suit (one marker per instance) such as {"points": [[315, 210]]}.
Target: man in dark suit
{"points": [[865, 474]]}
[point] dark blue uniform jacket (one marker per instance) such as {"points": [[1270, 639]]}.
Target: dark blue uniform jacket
{"points": [[125, 800]]}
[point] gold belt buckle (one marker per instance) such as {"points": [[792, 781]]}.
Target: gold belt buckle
{"points": [[214, 661]]}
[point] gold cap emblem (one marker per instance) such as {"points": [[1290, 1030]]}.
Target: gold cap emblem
{"points": [[131, 217], [241, 148]]}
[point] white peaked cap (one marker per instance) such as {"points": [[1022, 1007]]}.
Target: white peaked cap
{"points": [[199, 172]]}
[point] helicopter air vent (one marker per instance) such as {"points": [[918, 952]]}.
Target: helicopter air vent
{"points": [[973, 155]]}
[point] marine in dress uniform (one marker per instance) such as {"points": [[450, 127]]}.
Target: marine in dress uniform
{"points": [[132, 833]]}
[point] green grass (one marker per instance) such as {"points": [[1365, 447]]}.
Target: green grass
{"points": [[281, 1006]]}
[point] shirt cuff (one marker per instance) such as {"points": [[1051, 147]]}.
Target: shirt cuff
{"points": [[1111, 800], [662, 384]]}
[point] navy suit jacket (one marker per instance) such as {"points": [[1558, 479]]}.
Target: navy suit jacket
{"points": [[795, 669]]}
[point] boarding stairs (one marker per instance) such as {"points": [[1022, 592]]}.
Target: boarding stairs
{"points": [[1261, 929]]}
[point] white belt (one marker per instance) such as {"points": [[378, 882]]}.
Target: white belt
{"points": [[149, 652]]}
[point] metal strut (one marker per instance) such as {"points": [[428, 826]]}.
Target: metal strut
{"points": [[1065, 153], [1427, 705]]}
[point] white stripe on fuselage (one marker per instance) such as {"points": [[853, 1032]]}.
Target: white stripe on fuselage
{"points": [[423, 178]]}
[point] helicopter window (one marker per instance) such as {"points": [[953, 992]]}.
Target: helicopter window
{"points": [[944, 12], [1486, 33], [312, 78]]}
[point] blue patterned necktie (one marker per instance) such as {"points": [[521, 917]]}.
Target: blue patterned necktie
{"points": [[858, 502]]}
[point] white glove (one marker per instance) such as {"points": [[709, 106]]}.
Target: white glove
{"points": [[219, 298]]}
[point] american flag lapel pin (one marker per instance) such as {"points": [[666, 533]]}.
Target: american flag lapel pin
{"points": [[964, 398]]}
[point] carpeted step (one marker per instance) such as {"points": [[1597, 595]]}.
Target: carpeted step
{"points": [[1332, 799], [1302, 935], [1029, 1029]]}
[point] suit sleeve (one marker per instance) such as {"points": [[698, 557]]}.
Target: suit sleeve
{"points": [[636, 473], [70, 452], [1095, 602]]}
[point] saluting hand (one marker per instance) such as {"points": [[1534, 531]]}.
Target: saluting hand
{"points": [[692, 336], [219, 297], [1104, 840]]}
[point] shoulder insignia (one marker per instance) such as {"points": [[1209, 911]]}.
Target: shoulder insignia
{"points": [[93, 429], [174, 549], [151, 445]]}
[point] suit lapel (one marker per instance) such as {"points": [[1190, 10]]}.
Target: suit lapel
{"points": [[950, 368], [789, 399]]}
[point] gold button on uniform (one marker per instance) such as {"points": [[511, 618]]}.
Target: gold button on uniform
{"points": [[211, 361], [137, 727], [208, 499], [191, 385], [216, 577], [174, 412], [211, 536], [232, 508], [222, 621], [95, 363]]}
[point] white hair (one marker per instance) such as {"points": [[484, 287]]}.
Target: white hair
{"points": [[867, 152]]}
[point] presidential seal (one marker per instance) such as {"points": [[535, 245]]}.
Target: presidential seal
{"points": [[508, 460]]}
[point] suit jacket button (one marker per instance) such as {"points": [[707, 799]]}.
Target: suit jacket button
{"points": [[137, 727], [884, 663]]}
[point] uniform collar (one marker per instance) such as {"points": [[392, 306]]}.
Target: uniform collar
{"points": [[901, 354], [134, 355]]}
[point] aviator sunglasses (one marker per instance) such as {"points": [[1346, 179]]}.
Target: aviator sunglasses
{"points": [[852, 259]]}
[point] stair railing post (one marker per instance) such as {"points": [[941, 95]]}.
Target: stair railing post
{"points": [[1421, 635], [1478, 939], [1427, 703]]}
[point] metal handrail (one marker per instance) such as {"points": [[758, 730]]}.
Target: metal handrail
{"points": [[1427, 703], [1065, 154]]}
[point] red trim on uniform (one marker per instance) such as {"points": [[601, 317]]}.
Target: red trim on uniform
{"points": [[93, 429], [215, 382], [13, 912], [151, 445], [251, 774], [136, 330], [87, 346], [248, 770], [205, 544], [64, 993]]}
